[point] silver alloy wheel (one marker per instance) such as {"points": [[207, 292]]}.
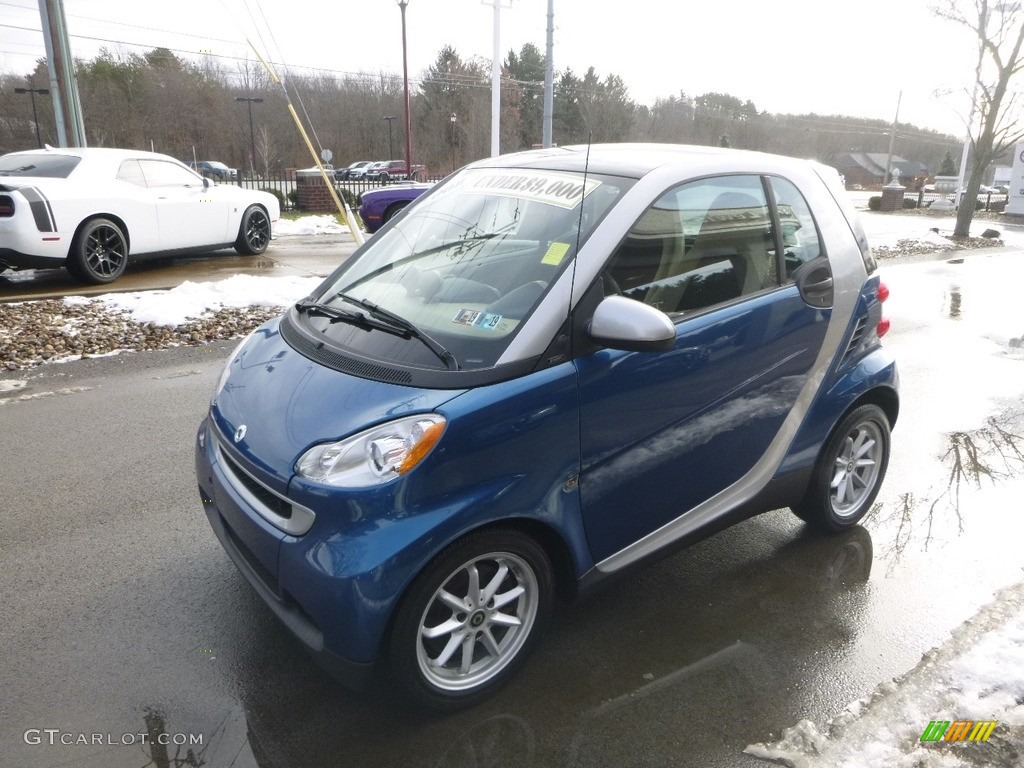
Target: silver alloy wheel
{"points": [[857, 467], [477, 621]]}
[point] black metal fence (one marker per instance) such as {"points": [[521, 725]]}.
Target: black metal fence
{"points": [[987, 201], [284, 186]]}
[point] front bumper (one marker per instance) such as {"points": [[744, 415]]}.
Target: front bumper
{"points": [[253, 546]]}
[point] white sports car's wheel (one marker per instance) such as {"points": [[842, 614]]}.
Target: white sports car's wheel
{"points": [[253, 232], [469, 621], [99, 252]]}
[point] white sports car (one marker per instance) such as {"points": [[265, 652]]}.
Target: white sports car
{"points": [[91, 210]]}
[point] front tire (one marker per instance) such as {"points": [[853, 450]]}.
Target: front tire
{"points": [[253, 232], [99, 252], [471, 618], [393, 211], [849, 472]]}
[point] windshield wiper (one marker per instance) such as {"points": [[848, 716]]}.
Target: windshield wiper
{"points": [[396, 325], [408, 330]]}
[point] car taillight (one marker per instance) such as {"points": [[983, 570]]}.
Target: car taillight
{"points": [[6, 206], [883, 324]]}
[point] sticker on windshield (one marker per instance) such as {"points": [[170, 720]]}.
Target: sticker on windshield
{"points": [[562, 189], [556, 252], [477, 319]]}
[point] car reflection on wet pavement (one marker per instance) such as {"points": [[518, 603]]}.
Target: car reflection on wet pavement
{"points": [[126, 618], [315, 256]]}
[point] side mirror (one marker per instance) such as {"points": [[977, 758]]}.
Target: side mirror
{"points": [[206, 182], [622, 323]]}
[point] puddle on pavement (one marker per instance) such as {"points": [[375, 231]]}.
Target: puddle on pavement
{"points": [[972, 462], [157, 274], [955, 302]]}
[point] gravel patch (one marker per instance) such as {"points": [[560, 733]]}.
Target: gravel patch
{"points": [[37, 332], [911, 247]]}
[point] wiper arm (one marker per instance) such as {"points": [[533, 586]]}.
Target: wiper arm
{"points": [[333, 313], [344, 316], [405, 328]]}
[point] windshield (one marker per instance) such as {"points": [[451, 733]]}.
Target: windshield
{"points": [[39, 165], [469, 263]]}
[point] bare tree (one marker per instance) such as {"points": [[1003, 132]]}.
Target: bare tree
{"points": [[994, 123], [265, 150]]}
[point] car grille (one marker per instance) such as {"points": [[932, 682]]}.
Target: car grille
{"points": [[276, 509], [271, 500]]}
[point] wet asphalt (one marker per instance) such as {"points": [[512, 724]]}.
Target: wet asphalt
{"points": [[123, 616]]}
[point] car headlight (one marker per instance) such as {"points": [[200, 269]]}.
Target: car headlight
{"points": [[375, 456]]}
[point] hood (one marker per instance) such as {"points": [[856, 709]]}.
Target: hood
{"points": [[288, 403]]}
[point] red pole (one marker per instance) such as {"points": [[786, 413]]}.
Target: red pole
{"points": [[405, 77]]}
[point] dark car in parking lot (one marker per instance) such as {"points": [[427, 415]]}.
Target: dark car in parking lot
{"points": [[555, 367], [213, 169], [353, 171], [395, 170]]}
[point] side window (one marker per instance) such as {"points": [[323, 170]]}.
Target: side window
{"points": [[700, 244], [163, 174], [131, 172], [801, 241]]}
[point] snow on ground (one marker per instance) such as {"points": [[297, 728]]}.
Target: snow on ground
{"points": [[978, 676], [309, 225], [192, 300]]}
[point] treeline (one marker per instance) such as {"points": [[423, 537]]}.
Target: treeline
{"points": [[177, 106]]}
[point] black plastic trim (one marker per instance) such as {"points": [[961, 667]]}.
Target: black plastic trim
{"points": [[317, 349]]}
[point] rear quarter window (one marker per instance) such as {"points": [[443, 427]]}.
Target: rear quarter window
{"points": [[39, 165]]}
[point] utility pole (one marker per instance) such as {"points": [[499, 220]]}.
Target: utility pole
{"points": [[549, 78], [402, 4], [496, 77], [67, 108], [252, 136], [892, 140], [391, 144]]}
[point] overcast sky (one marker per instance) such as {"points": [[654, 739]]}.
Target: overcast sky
{"points": [[787, 56]]}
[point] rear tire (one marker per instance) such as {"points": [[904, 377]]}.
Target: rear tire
{"points": [[849, 472], [253, 232], [99, 252], [471, 618]]}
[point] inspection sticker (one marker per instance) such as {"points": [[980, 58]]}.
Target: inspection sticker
{"points": [[477, 319], [556, 252]]}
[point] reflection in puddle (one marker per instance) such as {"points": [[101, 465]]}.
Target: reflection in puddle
{"points": [[500, 740], [992, 453], [159, 744], [955, 299]]}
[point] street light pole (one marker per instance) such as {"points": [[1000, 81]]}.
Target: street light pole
{"points": [[453, 142], [250, 100], [35, 117], [391, 144], [405, 79]]}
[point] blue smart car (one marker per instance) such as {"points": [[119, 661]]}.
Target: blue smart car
{"points": [[555, 367]]}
